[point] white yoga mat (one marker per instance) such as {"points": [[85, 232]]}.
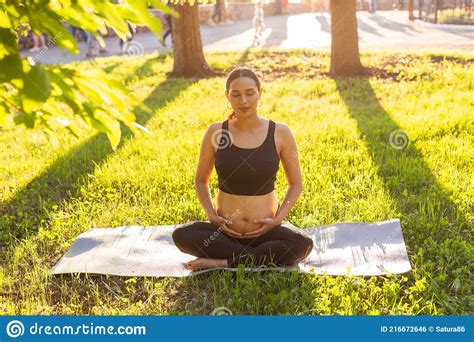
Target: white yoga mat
{"points": [[360, 248]]}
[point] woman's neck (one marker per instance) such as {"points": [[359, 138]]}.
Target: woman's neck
{"points": [[248, 123]]}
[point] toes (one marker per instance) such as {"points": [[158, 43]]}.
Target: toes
{"points": [[191, 265]]}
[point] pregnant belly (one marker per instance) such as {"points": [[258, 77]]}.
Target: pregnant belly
{"points": [[242, 210]]}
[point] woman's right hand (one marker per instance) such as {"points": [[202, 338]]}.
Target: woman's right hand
{"points": [[221, 222]]}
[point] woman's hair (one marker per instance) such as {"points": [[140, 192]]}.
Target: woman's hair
{"points": [[237, 73]]}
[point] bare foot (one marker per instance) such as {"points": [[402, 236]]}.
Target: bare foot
{"points": [[205, 263]]}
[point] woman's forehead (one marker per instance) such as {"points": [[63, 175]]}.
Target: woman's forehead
{"points": [[242, 84]]}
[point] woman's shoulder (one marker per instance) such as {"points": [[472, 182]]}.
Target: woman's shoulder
{"points": [[217, 125], [283, 133], [213, 133], [281, 128]]}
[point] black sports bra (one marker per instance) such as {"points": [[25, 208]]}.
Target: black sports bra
{"points": [[247, 171]]}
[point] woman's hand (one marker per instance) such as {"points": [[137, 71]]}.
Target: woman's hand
{"points": [[267, 224], [221, 223]]}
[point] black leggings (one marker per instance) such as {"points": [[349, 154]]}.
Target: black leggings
{"points": [[281, 246]]}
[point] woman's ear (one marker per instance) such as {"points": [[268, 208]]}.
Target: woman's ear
{"points": [[261, 91]]}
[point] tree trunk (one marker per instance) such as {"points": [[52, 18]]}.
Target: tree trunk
{"points": [[411, 10], [345, 59], [189, 58]]}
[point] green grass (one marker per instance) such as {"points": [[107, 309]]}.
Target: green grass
{"points": [[51, 194], [455, 16]]}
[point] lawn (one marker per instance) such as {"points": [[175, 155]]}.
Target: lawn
{"points": [[352, 171]]}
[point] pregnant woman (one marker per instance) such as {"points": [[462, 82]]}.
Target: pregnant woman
{"points": [[245, 227]]}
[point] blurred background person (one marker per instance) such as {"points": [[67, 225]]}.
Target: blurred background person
{"points": [[39, 43], [258, 21]]}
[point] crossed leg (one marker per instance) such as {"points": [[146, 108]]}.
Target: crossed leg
{"points": [[281, 246]]}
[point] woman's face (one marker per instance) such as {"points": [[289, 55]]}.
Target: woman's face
{"points": [[243, 96]]}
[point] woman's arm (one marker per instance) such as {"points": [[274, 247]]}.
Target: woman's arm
{"points": [[291, 166], [204, 196], [204, 171]]}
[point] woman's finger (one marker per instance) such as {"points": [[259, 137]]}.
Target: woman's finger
{"points": [[255, 232], [224, 220], [231, 232]]}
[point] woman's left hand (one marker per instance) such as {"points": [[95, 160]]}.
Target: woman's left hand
{"points": [[267, 224]]}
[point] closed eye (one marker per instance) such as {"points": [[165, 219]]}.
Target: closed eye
{"points": [[248, 94]]}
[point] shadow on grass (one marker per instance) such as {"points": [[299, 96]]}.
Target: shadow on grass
{"points": [[146, 69], [437, 233], [63, 179], [243, 59], [401, 166], [201, 294]]}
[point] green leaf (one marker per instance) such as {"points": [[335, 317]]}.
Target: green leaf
{"points": [[10, 68], [76, 16], [50, 132], [4, 19], [28, 119], [128, 13], [4, 111], [46, 21], [36, 89], [90, 91], [113, 127], [8, 41], [55, 92], [11, 9], [90, 120], [111, 13], [162, 7], [141, 9], [10, 61]]}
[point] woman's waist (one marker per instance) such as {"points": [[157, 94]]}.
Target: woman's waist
{"points": [[243, 208]]}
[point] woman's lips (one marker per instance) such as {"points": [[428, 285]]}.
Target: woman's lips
{"points": [[244, 108]]}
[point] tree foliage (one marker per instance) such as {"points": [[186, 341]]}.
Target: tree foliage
{"points": [[34, 94]]}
